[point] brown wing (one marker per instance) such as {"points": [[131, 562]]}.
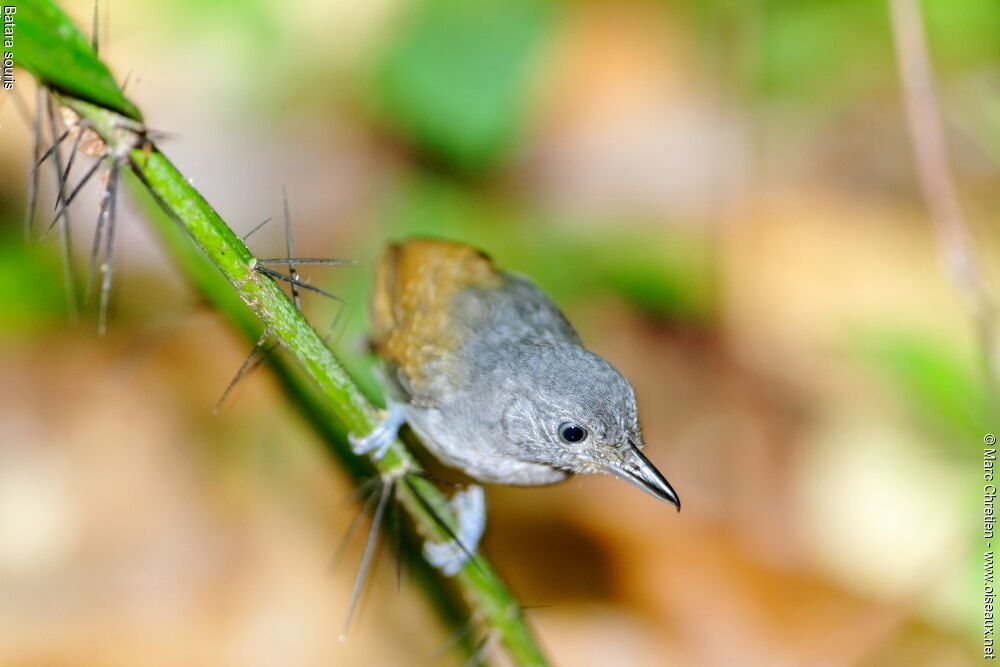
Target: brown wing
{"points": [[414, 285]]}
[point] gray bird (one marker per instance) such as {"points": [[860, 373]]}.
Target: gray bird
{"points": [[490, 374]]}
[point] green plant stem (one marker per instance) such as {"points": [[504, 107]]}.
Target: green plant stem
{"points": [[479, 584]]}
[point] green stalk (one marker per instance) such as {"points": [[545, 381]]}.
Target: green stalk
{"points": [[480, 586]]}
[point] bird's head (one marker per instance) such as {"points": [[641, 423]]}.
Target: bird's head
{"points": [[573, 411]]}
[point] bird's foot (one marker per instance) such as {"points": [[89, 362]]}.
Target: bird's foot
{"points": [[469, 506], [382, 436]]}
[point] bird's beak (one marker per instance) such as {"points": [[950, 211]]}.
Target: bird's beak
{"points": [[638, 470]]}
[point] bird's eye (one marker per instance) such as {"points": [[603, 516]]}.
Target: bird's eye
{"points": [[570, 432]]}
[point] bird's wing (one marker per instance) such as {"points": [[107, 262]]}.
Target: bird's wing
{"points": [[413, 327], [521, 312], [436, 303]]}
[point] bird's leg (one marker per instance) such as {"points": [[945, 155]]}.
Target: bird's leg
{"points": [[382, 436], [469, 506]]}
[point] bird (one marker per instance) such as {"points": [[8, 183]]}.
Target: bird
{"points": [[494, 380]]}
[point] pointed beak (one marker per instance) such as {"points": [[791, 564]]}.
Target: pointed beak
{"points": [[638, 470]]}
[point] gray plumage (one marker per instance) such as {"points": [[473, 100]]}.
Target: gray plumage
{"points": [[496, 408]]}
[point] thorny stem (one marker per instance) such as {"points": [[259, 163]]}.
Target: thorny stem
{"points": [[481, 587]]}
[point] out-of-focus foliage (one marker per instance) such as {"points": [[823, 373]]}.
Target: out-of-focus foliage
{"points": [[671, 278], [31, 291], [830, 50], [454, 78], [941, 388]]}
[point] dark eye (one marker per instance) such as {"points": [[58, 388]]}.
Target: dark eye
{"points": [[570, 432]]}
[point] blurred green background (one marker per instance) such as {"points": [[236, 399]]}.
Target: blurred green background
{"points": [[722, 197]]}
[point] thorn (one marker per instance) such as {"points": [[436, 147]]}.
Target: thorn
{"points": [[69, 163], [95, 248], [288, 249], [453, 640], [64, 230], [366, 556], [95, 31], [72, 195], [288, 279], [343, 307], [397, 535], [22, 108], [159, 136], [306, 260], [252, 361], [50, 150], [111, 195], [36, 128], [365, 493], [252, 231], [483, 648], [423, 474]]}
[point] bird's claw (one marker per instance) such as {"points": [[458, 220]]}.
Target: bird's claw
{"points": [[469, 506], [382, 436]]}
